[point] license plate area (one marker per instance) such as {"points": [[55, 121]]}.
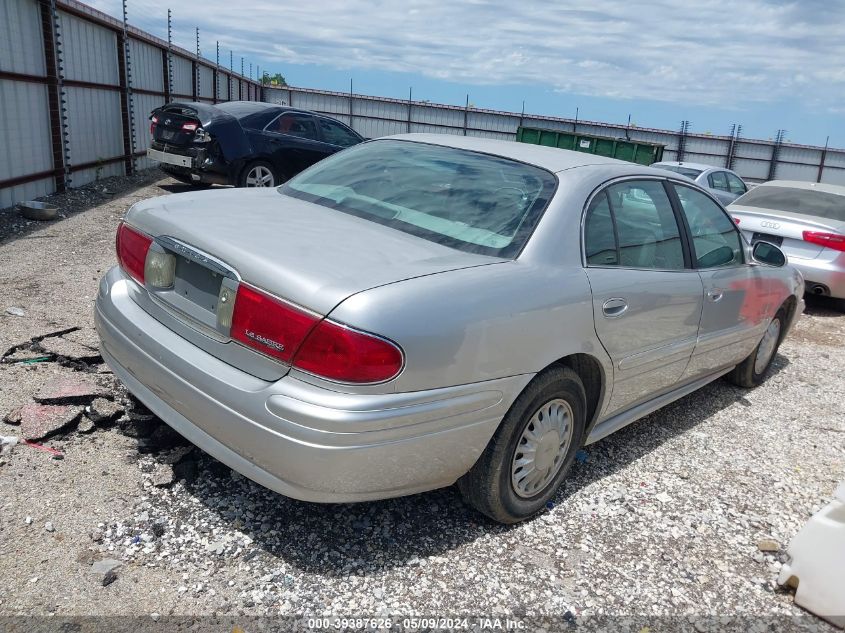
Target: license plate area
{"points": [[777, 240], [197, 284]]}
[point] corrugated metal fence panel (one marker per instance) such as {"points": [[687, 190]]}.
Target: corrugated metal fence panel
{"points": [[142, 105], [21, 40], [90, 51], [26, 145], [95, 132], [147, 66], [183, 80], [206, 82]]}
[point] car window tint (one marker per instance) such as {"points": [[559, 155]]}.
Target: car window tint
{"points": [[718, 181], [599, 237], [735, 184], [715, 239], [337, 134], [645, 226], [294, 124]]}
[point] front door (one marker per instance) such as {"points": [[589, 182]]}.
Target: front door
{"points": [[647, 299], [738, 297]]}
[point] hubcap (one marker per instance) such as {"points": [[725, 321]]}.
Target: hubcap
{"points": [[259, 176], [542, 448], [767, 346]]}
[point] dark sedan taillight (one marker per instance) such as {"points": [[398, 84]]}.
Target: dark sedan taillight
{"points": [[308, 342], [132, 247], [153, 123]]}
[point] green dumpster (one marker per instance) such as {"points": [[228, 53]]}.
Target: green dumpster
{"points": [[632, 151]]}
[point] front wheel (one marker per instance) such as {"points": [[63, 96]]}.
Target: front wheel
{"points": [[752, 371], [258, 174], [531, 451]]}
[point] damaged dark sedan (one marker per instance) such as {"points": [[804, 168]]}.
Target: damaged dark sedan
{"points": [[242, 143]]}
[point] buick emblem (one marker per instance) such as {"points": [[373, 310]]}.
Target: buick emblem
{"points": [[167, 121], [769, 225]]}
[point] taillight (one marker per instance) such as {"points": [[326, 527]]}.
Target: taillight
{"points": [[309, 342], [338, 353], [189, 127], [269, 325], [132, 247], [153, 122], [828, 240]]}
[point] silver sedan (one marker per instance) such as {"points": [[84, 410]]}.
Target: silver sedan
{"points": [[422, 310], [723, 184], [807, 221]]}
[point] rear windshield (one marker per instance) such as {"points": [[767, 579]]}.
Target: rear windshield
{"points": [[473, 202], [689, 172], [801, 201]]}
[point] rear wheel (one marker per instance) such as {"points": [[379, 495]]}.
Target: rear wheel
{"points": [[532, 450], [258, 174], [752, 371]]}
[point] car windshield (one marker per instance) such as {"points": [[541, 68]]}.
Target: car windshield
{"points": [[466, 200], [689, 172], [801, 201]]}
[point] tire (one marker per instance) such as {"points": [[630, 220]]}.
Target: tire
{"points": [[259, 171], [491, 485], [749, 373]]}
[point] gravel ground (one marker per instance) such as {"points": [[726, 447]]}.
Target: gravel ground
{"points": [[660, 521]]}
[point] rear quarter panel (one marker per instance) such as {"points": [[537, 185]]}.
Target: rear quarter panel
{"points": [[480, 323]]}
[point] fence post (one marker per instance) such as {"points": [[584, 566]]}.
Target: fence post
{"points": [[122, 72], [466, 115], [821, 161], [58, 139], [410, 97], [521, 119], [682, 140], [773, 163]]}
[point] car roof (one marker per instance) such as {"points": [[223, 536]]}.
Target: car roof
{"points": [[700, 166], [550, 158], [838, 190]]}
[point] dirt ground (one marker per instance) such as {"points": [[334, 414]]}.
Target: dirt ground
{"points": [[663, 520]]}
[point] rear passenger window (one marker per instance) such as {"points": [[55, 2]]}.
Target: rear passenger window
{"points": [[736, 185], [715, 238], [718, 180], [294, 124], [599, 236], [646, 229], [337, 134]]}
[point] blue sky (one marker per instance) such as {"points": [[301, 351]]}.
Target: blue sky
{"points": [[766, 64]]}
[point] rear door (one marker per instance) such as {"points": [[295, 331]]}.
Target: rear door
{"points": [[293, 143], [647, 299], [738, 299]]}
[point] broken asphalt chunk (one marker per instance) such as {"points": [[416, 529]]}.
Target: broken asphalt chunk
{"points": [[67, 389], [40, 420], [103, 411], [60, 346]]}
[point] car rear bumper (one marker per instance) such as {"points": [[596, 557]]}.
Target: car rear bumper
{"points": [[300, 440], [829, 273]]}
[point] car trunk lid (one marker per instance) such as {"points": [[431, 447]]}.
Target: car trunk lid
{"points": [[311, 256], [783, 229], [176, 123]]}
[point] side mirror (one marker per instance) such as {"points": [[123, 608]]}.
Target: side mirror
{"points": [[768, 254]]}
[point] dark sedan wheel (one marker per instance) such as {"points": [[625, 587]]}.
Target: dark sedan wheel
{"points": [[752, 371], [258, 174], [532, 450]]}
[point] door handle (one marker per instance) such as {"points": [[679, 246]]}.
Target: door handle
{"points": [[615, 307], [715, 295]]}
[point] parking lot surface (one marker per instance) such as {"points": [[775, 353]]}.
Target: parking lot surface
{"points": [[685, 513]]}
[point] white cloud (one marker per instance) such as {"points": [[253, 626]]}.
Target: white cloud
{"points": [[716, 53]]}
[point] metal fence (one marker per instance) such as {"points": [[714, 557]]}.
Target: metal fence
{"points": [[76, 88], [754, 160]]}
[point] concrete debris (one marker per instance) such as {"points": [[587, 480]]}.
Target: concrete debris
{"points": [[66, 389], [49, 527], [15, 311], [86, 425], [7, 443], [768, 545], [105, 565], [162, 475], [60, 346], [40, 420], [176, 455], [103, 411], [13, 416]]}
